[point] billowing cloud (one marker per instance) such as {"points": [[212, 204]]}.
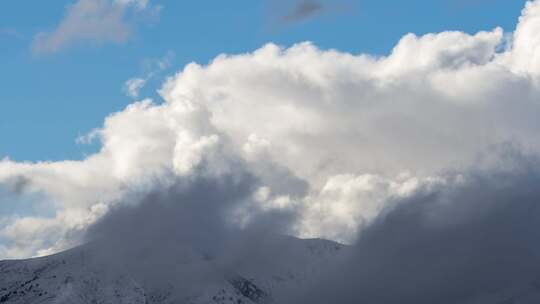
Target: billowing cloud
{"points": [[94, 22], [332, 137]]}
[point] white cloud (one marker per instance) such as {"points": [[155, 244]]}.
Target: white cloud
{"points": [[349, 202], [328, 133], [188, 153], [94, 22], [525, 56]]}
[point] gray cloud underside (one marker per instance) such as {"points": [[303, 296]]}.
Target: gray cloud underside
{"points": [[466, 240]]}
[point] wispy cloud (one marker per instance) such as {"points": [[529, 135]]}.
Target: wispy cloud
{"points": [[304, 9], [133, 85], [292, 12], [94, 22]]}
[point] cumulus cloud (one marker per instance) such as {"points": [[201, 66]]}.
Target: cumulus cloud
{"points": [[95, 22], [525, 56], [333, 137], [348, 203]]}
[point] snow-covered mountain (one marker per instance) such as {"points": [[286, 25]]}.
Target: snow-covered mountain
{"points": [[278, 267], [83, 275]]}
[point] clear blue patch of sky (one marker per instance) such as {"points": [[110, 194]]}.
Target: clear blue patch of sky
{"points": [[46, 102]]}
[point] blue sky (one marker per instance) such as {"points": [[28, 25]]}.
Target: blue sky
{"points": [[49, 100]]}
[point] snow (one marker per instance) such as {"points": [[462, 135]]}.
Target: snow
{"points": [[279, 266]]}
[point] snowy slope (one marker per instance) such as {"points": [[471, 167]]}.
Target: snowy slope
{"points": [[278, 266], [81, 275]]}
